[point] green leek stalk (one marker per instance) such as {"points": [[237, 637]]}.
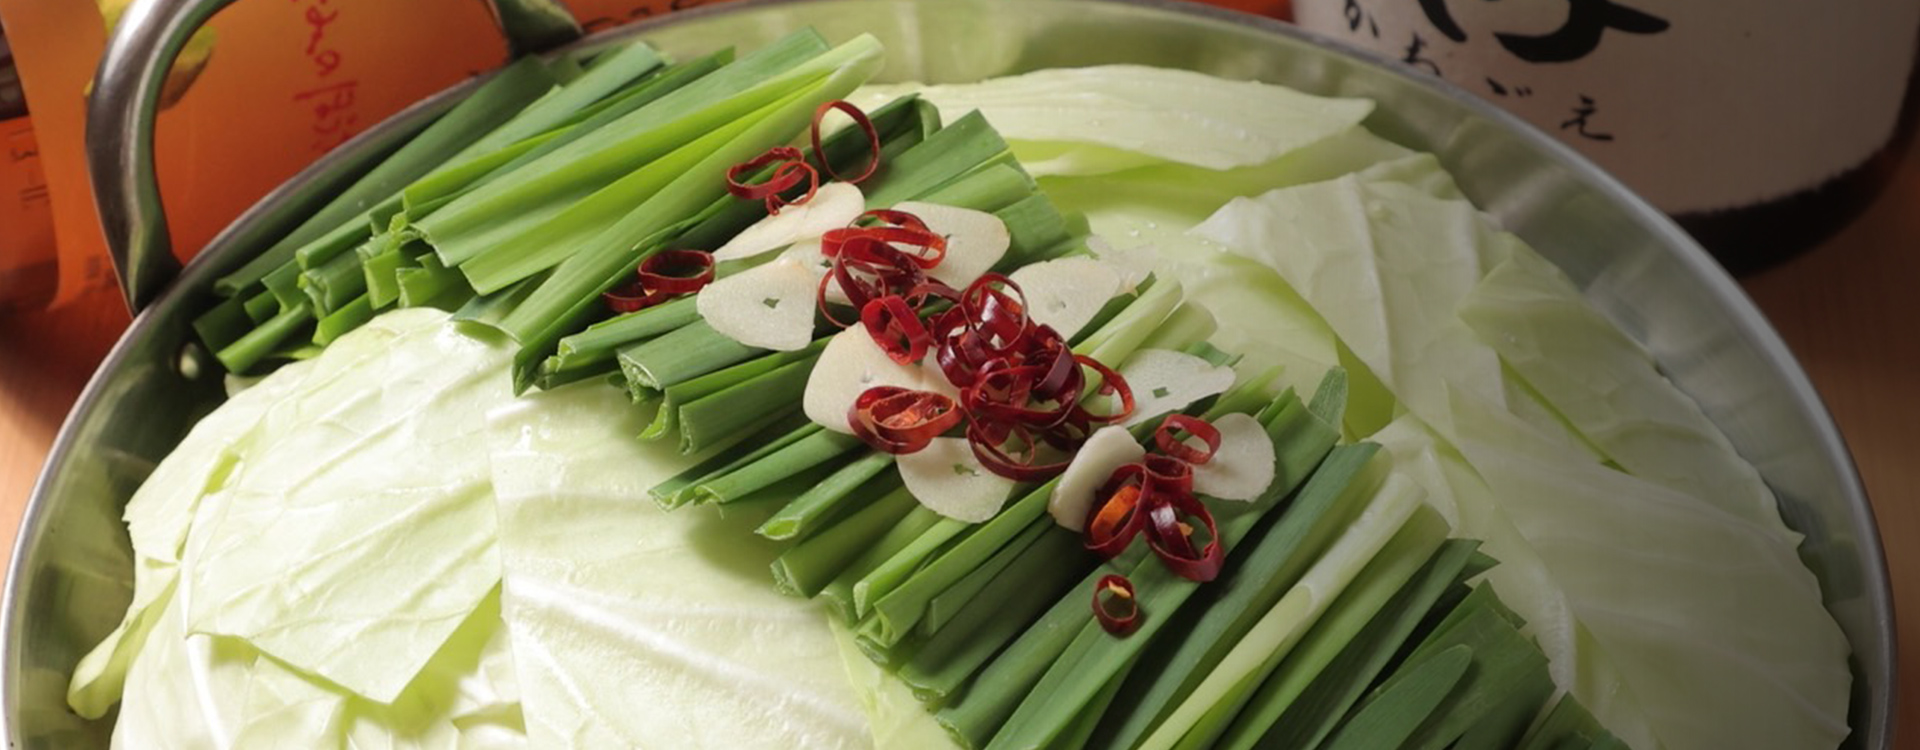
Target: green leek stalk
{"points": [[350, 316], [1204, 715], [594, 350], [945, 605], [563, 302], [758, 401], [825, 501], [1067, 658], [1507, 668], [1300, 705], [1394, 713], [678, 490], [808, 449], [839, 593], [543, 188], [257, 344], [899, 602], [807, 567], [1033, 588], [488, 107]]}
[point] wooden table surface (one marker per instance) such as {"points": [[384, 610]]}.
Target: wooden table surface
{"points": [[1845, 309]]}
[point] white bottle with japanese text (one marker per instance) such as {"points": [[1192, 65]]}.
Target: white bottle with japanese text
{"points": [[1762, 125]]}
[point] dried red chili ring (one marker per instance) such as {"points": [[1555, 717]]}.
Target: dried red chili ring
{"points": [[820, 301], [901, 420], [1021, 467], [993, 313], [1112, 590], [1063, 380], [859, 120], [789, 172], [1171, 538], [777, 182], [676, 271], [896, 327], [631, 296], [792, 168], [1111, 525], [1111, 383], [867, 269], [1169, 473], [932, 247], [1167, 436]]}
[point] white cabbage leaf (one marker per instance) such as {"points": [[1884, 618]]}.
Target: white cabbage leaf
{"points": [[895, 718], [1610, 389], [1643, 597], [1096, 119], [188, 689], [358, 533], [635, 627], [158, 517]]}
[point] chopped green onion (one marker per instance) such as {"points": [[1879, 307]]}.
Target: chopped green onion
{"points": [[493, 103], [1093, 657], [688, 352], [817, 447], [1290, 714], [821, 502], [807, 568], [350, 316]]}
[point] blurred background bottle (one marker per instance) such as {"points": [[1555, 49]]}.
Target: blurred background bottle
{"points": [[27, 270], [260, 92], [1762, 126]]}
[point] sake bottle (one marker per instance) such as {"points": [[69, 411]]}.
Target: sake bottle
{"points": [[1762, 126]]}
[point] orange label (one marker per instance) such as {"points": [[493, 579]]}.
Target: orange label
{"points": [[287, 80], [27, 238]]}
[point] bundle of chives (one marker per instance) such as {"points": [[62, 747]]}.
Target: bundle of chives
{"points": [[1066, 670], [492, 105], [487, 219], [950, 156], [511, 114], [565, 301], [1331, 670]]}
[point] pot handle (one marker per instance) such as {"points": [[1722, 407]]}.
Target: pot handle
{"points": [[120, 114], [126, 98]]}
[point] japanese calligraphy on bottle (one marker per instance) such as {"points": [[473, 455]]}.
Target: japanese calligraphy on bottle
{"points": [[1698, 105]]}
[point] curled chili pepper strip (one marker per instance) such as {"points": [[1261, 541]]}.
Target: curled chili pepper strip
{"points": [[1171, 537], [1112, 384], [867, 268], [790, 168], [820, 301], [1021, 466], [1168, 473], [895, 326], [631, 296], [1167, 436], [1115, 605], [676, 271], [999, 317], [859, 120], [790, 172], [897, 229], [900, 420], [1111, 525]]}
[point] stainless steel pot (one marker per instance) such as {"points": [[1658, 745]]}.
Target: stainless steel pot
{"points": [[71, 573]]}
